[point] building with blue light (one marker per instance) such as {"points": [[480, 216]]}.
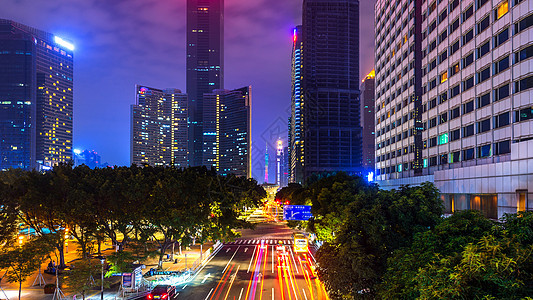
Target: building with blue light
{"points": [[36, 97], [296, 121]]}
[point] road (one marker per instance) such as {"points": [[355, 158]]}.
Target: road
{"points": [[251, 268]]}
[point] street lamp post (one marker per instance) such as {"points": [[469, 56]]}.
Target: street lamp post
{"points": [[102, 288]]}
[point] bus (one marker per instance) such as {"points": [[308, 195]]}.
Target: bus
{"points": [[300, 243]]}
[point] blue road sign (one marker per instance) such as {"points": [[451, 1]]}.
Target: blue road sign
{"points": [[297, 212]]}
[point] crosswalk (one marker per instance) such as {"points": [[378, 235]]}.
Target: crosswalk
{"points": [[260, 241]]}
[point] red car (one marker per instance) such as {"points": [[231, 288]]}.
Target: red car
{"points": [[163, 292]]}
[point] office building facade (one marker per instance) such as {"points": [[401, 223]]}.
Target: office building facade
{"points": [[227, 131], [330, 83], [367, 122], [205, 65], [36, 98], [454, 87], [159, 127]]}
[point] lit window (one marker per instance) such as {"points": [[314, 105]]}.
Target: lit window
{"points": [[503, 8], [443, 77]]}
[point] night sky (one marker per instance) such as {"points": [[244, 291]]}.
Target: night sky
{"points": [[121, 43]]}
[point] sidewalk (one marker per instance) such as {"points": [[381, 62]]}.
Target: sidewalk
{"points": [[188, 260]]}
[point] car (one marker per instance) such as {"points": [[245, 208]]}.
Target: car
{"points": [[162, 292]]}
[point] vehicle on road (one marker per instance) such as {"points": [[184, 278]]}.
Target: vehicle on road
{"points": [[300, 243], [162, 292]]}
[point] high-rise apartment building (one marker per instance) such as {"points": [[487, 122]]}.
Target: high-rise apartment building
{"points": [[296, 120], [36, 97], [367, 122], [159, 128], [227, 131], [330, 86], [454, 90], [205, 65]]}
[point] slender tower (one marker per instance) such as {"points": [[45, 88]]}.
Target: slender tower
{"points": [[205, 65], [266, 164]]}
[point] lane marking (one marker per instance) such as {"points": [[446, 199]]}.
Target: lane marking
{"points": [[245, 249], [230, 259], [231, 282], [184, 287], [305, 296], [294, 261], [240, 295], [205, 264], [272, 259], [272, 293], [205, 277], [251, 260], [227, 250], [209, 294]]}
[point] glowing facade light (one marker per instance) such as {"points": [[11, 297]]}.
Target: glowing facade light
{"points": [[64, 43], [370, 177]]}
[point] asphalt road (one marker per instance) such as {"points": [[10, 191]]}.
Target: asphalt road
{"points": [[251, 268]]}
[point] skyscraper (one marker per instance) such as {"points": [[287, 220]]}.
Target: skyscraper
{"points": [[296, 120], [367, 122], [331, 129], [159, 128], [36, 97], [205, 65], [454, 104], [227, 131]]}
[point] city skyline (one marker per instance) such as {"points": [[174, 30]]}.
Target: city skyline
{"points": [[114, 43]]}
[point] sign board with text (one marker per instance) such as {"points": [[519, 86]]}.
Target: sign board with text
{"points": [[297, 212]]}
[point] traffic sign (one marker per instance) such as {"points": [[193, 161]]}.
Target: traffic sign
{"points": [[297, 212]]}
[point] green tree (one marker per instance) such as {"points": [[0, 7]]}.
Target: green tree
{"points": [[362, 227], [492, 268], [21, 261], [8, 215], [446, 240], [84, 275], [41, 204]]}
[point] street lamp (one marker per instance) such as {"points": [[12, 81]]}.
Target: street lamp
{"points": [[21, 240], [102, 260]]}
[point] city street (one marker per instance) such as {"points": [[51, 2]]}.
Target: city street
{"points": [[252, 268]]}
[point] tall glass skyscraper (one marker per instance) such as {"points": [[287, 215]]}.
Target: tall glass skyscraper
{"points": [[205, 65], [331, 130], [227, 131], [36, 97], [296, 121]]}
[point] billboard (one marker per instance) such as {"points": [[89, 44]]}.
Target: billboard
{"points": [[297, 212]]}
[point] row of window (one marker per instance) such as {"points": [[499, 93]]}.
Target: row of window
{"points": [[498, 39], [498, 94], [481, 51], [498, 121], [483, 151]]}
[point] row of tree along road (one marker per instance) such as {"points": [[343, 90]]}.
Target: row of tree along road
{"points": [[397, 244], [138, 209]]}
